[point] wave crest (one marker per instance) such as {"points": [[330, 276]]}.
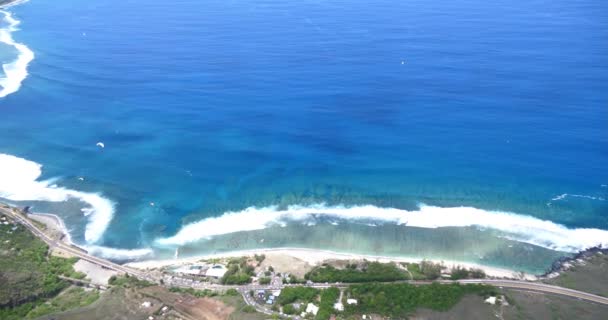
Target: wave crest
{"points": [[18, 182], [515, 226], [16, 71]]}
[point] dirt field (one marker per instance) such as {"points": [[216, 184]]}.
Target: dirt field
{"points": [[204, 309], [126, 304], [286, 264]]}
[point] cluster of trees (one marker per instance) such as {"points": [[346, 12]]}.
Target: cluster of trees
{"points": [[464, 273], [290, 309], [239, 272], [265, 280], [293, 279], [398, 300], [329, 297], [127, 281], [371, 272], [293, 294]]}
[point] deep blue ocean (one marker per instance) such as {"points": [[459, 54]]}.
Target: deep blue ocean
{"points": [[208, 107]]}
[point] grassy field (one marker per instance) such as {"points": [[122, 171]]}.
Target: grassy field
{"points": [[591, 277], [74, 297], [522, 306]]}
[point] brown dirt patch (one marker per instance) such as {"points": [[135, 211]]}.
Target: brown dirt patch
{"points": [[204, 309]]}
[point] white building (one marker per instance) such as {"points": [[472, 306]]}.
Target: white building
{"points": [[338, 306], [311, 308], [351, 301]]}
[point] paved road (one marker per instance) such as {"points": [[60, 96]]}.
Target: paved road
{"points": [[541, 287], [514, 284], [52, 243]]}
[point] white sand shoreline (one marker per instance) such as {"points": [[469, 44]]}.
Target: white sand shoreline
{"points": [[315, 257], [311, 256]]}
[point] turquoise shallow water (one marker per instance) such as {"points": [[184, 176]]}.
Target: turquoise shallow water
{"points": [[208, 107]]}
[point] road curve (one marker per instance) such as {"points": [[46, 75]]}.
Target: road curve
{"points": [[52, 243]]}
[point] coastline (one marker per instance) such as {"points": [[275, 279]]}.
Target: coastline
{"points": [[54, 222], [316, 257], [310, 256]]}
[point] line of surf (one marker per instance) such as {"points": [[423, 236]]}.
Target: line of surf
{"points": [[19, 182], [16, 71], [514, 226]]}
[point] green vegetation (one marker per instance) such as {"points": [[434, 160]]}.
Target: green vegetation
{"points": [[29, 276], [239, 272], [400, 299], [293, 294], [127, 281], [265, 280], [194, 292], [290, 309], [231, 292], [414, 270], [464, 273], [369, 272], [430, 270], [293, 279], [326, 307], [248, 309], [74, 297], [259, 258]]}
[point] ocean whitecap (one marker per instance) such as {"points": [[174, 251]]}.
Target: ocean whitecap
{"points": [[19, 182], [518, 227]]}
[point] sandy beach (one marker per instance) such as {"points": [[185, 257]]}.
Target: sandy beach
{"points": [[316, 257], [288, 256]]}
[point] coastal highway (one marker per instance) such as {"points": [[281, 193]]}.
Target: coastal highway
{"points": [[540, 287], [512, 284], [18, 216]]}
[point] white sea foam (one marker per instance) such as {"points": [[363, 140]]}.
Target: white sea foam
{"points": [[565, 195], [16, 71], [515, 226], [19, 182], [119, 254]]}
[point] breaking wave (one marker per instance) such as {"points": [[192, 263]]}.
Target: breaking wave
{"points": [[514, 226], [16, 71], [19, 182]]}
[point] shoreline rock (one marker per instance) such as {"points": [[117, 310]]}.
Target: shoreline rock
{"points": [[564, 263]]}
